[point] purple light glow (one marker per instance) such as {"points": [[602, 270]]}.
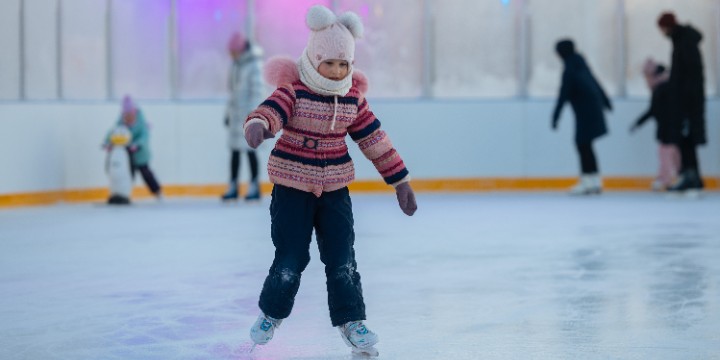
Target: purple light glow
{"points": [[281, 28], [364, 11], [204, 28]]}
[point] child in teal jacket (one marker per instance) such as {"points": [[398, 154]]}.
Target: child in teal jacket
{"points": [[139, 147]]}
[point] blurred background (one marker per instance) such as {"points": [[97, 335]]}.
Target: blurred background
{"points": [[464, 88]]}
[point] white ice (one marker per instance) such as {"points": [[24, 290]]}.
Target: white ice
{"points": [[470, 276]]}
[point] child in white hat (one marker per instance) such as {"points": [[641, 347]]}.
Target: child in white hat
{"points": [[319, 101]]}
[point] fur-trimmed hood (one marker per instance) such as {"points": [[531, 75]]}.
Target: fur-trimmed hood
{"points": [[283, 70]]}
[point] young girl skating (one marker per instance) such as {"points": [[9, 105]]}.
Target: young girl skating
{"points": [[319, 101]]}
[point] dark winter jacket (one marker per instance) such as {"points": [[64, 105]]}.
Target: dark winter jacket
{"points": [[687, 81], [585, 95], [661, 110]]}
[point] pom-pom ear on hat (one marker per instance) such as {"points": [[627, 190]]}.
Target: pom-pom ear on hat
{"points": [[319, 17], [331, 37], [352, 22]]}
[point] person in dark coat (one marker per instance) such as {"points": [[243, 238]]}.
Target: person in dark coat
{"points": [[687, 92], [661, 110], [588, 100]]}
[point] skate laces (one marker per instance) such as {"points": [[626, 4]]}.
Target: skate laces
{"points": [[268, 323], [273, 321], [357, 335], [262, 331], [358, 327]]}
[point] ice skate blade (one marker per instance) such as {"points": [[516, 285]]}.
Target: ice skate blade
{"points": [[585, 192], [368, 351], [692, 194]]}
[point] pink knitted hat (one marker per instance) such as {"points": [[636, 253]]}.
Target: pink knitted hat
{"points": [[128, 105], [237, 42], [331, 37]]}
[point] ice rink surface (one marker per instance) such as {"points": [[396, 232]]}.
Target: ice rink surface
{"points": [[470, 276]]}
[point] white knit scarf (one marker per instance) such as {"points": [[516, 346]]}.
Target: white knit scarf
{"points": [[320, 84]]}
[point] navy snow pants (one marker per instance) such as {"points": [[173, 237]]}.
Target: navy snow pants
{"points": [[294, 215]]}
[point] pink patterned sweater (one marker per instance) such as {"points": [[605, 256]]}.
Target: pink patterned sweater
{"points": [[309, 155]]}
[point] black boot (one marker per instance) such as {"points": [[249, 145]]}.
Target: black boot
{"points": [[689, 180]]}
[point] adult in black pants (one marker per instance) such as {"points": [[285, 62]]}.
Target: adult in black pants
{"points": [[687, 93], [588, 100]]}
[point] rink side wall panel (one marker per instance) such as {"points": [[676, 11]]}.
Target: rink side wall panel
{"points": [[54, 148]]}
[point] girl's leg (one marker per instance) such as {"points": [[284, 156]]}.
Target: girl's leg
{"points": [[291, 212], [149, 178], [335, 238]]}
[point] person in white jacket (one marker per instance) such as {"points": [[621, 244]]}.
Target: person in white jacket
{"points": [[247, 91]]}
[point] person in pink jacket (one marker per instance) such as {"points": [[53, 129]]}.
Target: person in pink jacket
{"points": [[319, 101]]}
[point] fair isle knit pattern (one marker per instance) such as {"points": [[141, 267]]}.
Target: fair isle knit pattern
{"points": [[311, 157]]}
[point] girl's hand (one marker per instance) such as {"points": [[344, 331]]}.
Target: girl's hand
{"points": [[406, 198], [255, 134]]}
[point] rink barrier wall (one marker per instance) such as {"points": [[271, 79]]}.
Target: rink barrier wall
{"points": [[420, 186], [50, 151]]}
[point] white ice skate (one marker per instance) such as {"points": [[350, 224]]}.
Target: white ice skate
{"points": [[588, 185], [359, 338], [262, 331], [657, 185]]}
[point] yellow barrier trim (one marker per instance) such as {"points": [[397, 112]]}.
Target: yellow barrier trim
{"points": [[420, 185]]}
